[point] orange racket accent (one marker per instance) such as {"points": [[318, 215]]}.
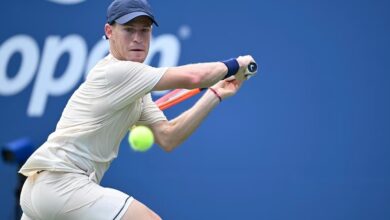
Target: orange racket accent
{"points": [[167, 96], [169, 100]]}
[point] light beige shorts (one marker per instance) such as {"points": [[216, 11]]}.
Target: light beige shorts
{"points": [[60, 196]]}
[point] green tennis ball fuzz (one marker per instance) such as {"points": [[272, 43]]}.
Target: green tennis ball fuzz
{"points": [[141, 138]]}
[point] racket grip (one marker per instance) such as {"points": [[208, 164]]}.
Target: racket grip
{"points": [[252, 67], [251, 70]]}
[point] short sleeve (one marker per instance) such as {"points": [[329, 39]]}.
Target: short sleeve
{"points": [[150, 112], [128, 81]]}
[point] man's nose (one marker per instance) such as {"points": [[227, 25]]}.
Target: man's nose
{"points": [[137, 37]]}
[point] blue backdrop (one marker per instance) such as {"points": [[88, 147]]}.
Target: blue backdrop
{"points": [[307, 138]]}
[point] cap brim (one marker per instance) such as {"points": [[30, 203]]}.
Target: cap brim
{"points": [[128, 17]]}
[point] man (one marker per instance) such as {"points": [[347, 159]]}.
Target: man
{"points": [[65, 172]]}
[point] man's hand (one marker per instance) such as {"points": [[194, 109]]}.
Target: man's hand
{"points": [[244, 62], [227, 87]]}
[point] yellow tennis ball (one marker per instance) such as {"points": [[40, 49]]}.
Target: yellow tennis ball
{"points": [[141, 138]]}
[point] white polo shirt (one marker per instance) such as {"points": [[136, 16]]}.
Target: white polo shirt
{"points": [[115, 96]]}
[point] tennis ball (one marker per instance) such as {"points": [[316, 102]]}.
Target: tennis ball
{"points": [[141, 138]]}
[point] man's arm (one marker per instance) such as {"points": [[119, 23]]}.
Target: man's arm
{"points": [[200, 75], [170, 134]]}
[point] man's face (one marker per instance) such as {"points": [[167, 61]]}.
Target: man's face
{"points": [[130, 41]]}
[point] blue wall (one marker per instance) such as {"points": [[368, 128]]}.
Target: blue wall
{"points": [[307, 138]]}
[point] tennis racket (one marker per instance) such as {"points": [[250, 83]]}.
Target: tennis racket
{"points": [[177, 96]]}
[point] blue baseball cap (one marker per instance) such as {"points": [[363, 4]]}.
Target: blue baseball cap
{"points": [[123, 11]]}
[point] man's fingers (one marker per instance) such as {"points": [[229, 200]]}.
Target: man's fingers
{"points": [[231, 78]]}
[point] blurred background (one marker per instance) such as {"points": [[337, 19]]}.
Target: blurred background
{"points": [[307, 138]]}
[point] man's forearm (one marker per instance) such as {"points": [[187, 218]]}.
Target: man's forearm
{"points": [[180, 128], [190, 76], [210, 73]]}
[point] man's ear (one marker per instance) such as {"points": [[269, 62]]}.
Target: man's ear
{"points": [[108, 30]]}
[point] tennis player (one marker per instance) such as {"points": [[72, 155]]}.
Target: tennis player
{"points": [[64, 173]]}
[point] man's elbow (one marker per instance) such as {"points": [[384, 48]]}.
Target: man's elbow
{"points": [[165, 145], [169, 145], [167, 148]]}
